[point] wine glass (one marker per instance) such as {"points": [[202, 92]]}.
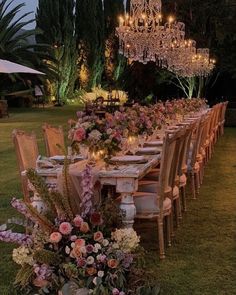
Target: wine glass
{"points": [[84, 150], [134, 145], [141, 140]]}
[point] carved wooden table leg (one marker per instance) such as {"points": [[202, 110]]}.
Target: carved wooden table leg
{"points": [[128, 209]]}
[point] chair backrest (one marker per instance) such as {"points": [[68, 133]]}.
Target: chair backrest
{"points": [[26, 149], [54, 140], [204, 131], [27, 153], [185, 148], [169, 161], [224, 107], [195, 141]]}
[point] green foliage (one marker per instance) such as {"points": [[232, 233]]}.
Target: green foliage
{"points": [[41, 188], [114, 63], [56, 20], [90, 26], [145, 290], [211, 24], [47, 257], [16, 44], [24, 275]]}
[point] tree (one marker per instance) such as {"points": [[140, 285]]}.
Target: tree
{"points": [[114, 63], [212, 24], [56, 20], [90, 26], [14, 40]]}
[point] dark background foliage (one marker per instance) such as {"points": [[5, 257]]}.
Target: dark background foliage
{"points": [[82, 47]]}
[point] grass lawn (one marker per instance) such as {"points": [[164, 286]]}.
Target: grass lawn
{"points": [[202, 259]]}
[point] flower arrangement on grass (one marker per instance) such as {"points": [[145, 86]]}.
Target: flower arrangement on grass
{"points": [[63, 251]]}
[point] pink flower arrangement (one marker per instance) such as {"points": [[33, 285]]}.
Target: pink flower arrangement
{"points": [[65, 228], [79, 134], [55, 237], [98, 236], [78, 220]]}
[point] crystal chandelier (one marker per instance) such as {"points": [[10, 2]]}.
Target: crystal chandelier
{"points": [[187, 61], [144, 37]]}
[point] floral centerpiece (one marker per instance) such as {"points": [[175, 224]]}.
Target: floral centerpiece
{"points": [[96, 133], [62, 251]]}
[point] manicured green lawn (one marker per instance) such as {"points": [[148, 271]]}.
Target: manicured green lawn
{"points": [[202, 259]]}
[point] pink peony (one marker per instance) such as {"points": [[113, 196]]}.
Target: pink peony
{"points": [[79, 134], [89, 248], [40, 283], [55, 237], [96, 218], [80, 243], [65, 228], [81, 262], [84, 227], [78, 220], [98, 236]]}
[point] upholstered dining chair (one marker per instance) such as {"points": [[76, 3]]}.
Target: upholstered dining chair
{"points": [[222, 118], [194, 161], [183, 162], [27, 153], [154, 199], [54, 140]]}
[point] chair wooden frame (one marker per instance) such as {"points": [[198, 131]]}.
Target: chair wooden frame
{"points": [[54, 140], [167, 176], [27, 153]]}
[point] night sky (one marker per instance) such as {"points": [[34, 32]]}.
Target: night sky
{"points": [[30, 5]]}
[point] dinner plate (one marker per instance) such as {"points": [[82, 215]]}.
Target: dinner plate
{"points": [[148, 151], [154, 143], [128, 160]]}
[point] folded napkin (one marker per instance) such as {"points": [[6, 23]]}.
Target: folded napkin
{"points": [[154, 143], [128, 159], [44, 163], [148, 151]]}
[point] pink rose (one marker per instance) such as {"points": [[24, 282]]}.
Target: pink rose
{"points": [[96, 218], [65, 228], [84, 227], [79, 134], [98, 236], [81, 262], [55, 237], [77, 221], [40, 283], [80, 243], [89, 248]]}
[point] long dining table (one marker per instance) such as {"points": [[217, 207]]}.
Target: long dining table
{"points": [[123, 177]]}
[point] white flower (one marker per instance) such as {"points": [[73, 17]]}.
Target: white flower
{"points": [[95, 250], [22, 256], [105, 242], [109, 131], [125, 239], [95, 281], [83, 250], [95, 135], [90, 260], [67, 250], [86, 125], [100, 273], [97, 246], [72, 245]]}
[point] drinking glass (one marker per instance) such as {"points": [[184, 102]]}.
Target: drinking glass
{"points": [[84, 150]]}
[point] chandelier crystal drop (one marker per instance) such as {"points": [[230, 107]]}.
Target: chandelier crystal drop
{"points": [[144, 37], [187, 61]]}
